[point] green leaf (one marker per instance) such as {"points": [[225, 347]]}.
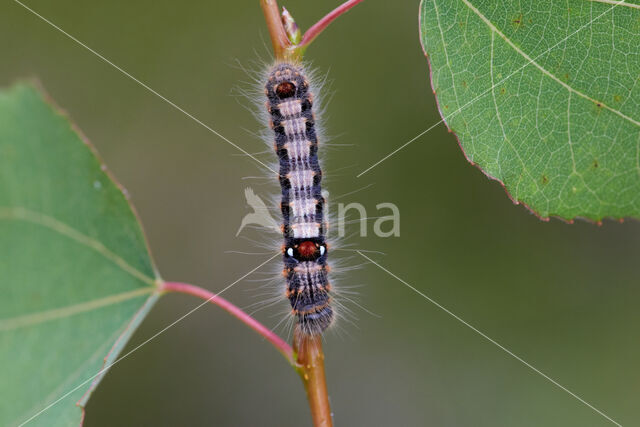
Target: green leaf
{"points": [[76, 276], [544, 96]]}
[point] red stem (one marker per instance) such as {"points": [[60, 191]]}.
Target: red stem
{"points": [[274, 339], [319, 26]]}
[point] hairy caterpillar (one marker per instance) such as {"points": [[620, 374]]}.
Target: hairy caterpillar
{"points": [[290, 107]]}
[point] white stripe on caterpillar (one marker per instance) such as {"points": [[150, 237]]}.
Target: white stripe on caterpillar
{"points": [[290, 108], [294, 127], [303, 208], [301, 178]]}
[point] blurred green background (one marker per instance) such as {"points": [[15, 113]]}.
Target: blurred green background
{"points": [[563, 297]]}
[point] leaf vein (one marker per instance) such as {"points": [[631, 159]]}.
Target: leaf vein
{"points": [[20, 213], [618, 3], [70, 310], [544, 70]]}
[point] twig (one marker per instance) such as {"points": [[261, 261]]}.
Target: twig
{"points": [[274, 339], [310, 360], [308, 349], [277, 32]]}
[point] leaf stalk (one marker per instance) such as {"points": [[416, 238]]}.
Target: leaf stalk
{"points": [[306, 356], [315, 30], [280, 344]]}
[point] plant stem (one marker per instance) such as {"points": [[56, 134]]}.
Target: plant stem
{"points": [[277, 32], [236, 312], [310, 360], [319, 26]]}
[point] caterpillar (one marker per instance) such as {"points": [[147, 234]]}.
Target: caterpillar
{"points": [[290, 108]]}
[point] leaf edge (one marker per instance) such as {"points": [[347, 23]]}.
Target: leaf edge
{"points": [[515, 201]]}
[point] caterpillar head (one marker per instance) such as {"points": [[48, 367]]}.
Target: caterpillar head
{"points": [[286, 81], [306, 250]]}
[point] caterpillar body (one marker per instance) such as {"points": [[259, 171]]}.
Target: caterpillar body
{"points": [[290, 107]]}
